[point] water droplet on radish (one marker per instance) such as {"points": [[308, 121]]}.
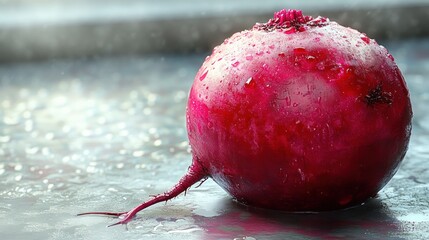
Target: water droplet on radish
{"points": [[235, 64], [299, 50], [250, 82], [249, 57], [259, 53], [264, 66], [365, 38], [204, 75]]}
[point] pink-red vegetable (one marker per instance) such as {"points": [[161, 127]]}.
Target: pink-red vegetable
{"points": [[296, 114]]}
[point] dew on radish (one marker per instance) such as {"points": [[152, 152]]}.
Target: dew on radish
{"points": [[264, 66], [250, 83], [235, 64], [203, 76], [317, 115], [365, 38]]}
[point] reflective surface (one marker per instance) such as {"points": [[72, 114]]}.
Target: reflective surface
{"points": [[105, 134]]}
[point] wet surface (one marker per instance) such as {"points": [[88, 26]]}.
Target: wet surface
{"points": [[105, 134]]}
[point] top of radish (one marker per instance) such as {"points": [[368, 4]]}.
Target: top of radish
{"points": [[292, 19]]}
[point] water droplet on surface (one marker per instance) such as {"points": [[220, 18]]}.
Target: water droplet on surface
{"points": [[4, 139], [235, 64], [259, 53], [91, 169], [157, 142], [18, 178], [49, 136], [18, 167], [45, 151], [138, 153], [249, 57]]}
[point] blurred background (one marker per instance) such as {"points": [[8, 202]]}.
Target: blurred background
{"points": [[92, 118], [45, 29]]}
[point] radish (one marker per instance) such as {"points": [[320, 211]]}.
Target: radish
{"points": [[296, 114]]}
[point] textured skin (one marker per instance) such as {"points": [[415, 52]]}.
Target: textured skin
{"points": [[308, 118]]}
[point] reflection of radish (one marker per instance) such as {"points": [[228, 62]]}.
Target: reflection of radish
{"points": [[297, 114]]}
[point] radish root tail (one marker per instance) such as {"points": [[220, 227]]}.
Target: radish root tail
{"points": [[195, 174]]}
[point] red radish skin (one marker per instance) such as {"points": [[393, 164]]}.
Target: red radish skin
{"points": [[297, 114]]}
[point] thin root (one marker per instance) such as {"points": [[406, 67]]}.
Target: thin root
{"points": [[117, 214], [195, 173]]}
